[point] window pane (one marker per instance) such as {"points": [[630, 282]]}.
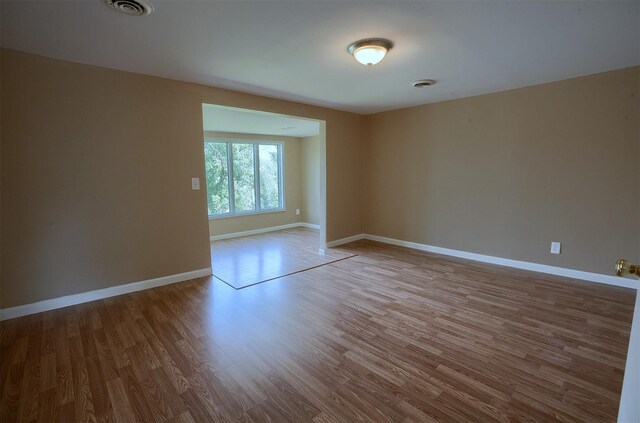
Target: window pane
{"points": [[243, 177], [269, 184], [215, 161]]}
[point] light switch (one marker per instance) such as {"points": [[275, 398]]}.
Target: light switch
{"points": [[195, 184]]}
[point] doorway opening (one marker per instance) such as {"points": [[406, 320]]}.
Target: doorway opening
{"points": [[266, 194]]}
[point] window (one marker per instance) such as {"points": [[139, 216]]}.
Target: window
{"points": [[243, 177]]}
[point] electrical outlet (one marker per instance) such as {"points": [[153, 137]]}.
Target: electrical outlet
{"points": [[195, 184], [297, 211], [555, 247]]}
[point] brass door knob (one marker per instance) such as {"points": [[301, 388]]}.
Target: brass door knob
{"points": [[623, 267]]}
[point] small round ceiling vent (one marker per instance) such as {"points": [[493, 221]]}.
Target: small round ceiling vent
{"points": [[131, 7], [421, 83]]}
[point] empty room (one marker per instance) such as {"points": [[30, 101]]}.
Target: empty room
{"points": [[319, 211]]}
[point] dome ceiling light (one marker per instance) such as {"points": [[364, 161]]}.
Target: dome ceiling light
{"points": [[370, 50]]}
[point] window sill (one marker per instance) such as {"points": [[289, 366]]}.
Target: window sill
{"points": [[247, 213]]}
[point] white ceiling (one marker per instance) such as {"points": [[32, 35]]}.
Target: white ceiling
{"points": [[296, 50], [243, 121]]}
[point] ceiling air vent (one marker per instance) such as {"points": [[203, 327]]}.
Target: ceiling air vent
{"points": [[131, 7], [421, 83]]}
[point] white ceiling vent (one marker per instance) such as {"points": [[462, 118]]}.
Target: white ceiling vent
{"points": [[422, 83], [131, 7]]}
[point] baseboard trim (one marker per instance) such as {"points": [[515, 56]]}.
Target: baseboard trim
{"points": [[525, 265], [84, 297], [517, 264], [345, 240], [69, 300], [263, 230]]}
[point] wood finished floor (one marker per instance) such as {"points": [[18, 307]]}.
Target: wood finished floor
{"points": [[248, 260], [392, 335]]}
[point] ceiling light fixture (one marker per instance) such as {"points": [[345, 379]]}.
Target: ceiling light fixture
{"points": [[370, 50]]}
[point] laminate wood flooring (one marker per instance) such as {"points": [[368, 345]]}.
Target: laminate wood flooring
{"points": [[249, 260], [391, 335]]}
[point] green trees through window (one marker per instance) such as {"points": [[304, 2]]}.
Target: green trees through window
{"points": [[217, 175], [269, 176], [243, 177]]}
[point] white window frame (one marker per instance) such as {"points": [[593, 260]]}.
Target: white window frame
{"points": [[256, 177]]}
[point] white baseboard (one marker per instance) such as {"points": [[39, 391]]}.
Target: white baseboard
{"points": [[345, 240], [525, 265], [84, 297], [69, 300], [535, 267], [263, 230]]}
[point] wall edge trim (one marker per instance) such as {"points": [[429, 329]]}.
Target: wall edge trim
{"points": [[309, 225], [84, 297], [263, 230], [346, 240], [98, 294], [517, 264]]}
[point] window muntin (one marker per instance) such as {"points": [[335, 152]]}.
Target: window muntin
{"points": [[243, 177]]}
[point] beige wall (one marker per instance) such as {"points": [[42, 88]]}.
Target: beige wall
{"points": [[96, 166], [96, 170], [310, 159], [293, 175], [505, 174]]}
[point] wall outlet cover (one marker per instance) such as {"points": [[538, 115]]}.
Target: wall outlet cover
{"points": [[195, 184], [556, 247]]}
